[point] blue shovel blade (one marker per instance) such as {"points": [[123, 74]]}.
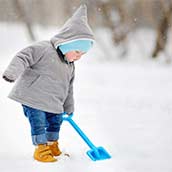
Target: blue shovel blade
{"points": [[98, 153]]}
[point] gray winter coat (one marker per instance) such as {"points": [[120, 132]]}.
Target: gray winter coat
{"points": [[44, 80]]}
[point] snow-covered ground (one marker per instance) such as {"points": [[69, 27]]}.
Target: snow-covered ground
{"points": [[124, 106]]}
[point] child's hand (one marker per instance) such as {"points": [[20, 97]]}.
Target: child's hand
{"points": [[7, 79], [70, 115]]}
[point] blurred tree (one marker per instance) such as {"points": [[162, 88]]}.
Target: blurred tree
{"points": [[120, 17], [114, 16], [123, 17], [163, 27], [24, 15]]}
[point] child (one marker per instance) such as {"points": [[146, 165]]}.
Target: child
{"points": [[44, 87]]}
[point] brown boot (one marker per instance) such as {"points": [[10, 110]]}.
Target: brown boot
{"points": [[55, 148], [43, 153]]}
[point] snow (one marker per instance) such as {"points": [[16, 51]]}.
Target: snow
{"points": [[124, 106]]}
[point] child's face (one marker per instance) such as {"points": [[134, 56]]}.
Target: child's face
{"points": [[73, 55]]}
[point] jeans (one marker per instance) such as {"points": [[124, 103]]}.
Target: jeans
{"points": [[45, 126]]}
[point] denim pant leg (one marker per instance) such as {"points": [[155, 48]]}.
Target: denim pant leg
{"points": [[37, 119], [54, 124]]}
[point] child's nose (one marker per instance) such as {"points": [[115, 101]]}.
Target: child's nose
{"points": [[81, 54]]}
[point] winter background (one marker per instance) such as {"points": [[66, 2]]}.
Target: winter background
{"points": [[124, 105]]}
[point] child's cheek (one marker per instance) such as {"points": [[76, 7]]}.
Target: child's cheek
{"points": [[70, 57]]}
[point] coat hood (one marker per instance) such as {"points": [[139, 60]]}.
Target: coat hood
{"points": [[75, 28]]}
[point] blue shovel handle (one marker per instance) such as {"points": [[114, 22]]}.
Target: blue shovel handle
{"points": [[79, 131]]}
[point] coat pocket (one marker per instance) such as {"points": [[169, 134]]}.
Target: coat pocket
{"points": [[28, 78]]}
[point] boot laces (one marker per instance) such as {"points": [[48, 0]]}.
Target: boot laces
{"points": [[45, 151]]}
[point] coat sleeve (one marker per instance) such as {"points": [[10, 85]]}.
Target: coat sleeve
{"points": [[69, 102], [23, 59]]}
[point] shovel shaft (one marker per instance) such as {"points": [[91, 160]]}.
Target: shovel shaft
{"points": [[81, 133]]}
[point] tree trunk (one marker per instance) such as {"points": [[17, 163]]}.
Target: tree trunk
{"points": [[162, 31], [24, 16]]}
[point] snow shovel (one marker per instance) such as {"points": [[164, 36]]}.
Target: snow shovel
{"points": [[95, 153]]}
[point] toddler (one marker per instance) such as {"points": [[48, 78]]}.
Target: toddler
{"points": [[45, 73]]}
